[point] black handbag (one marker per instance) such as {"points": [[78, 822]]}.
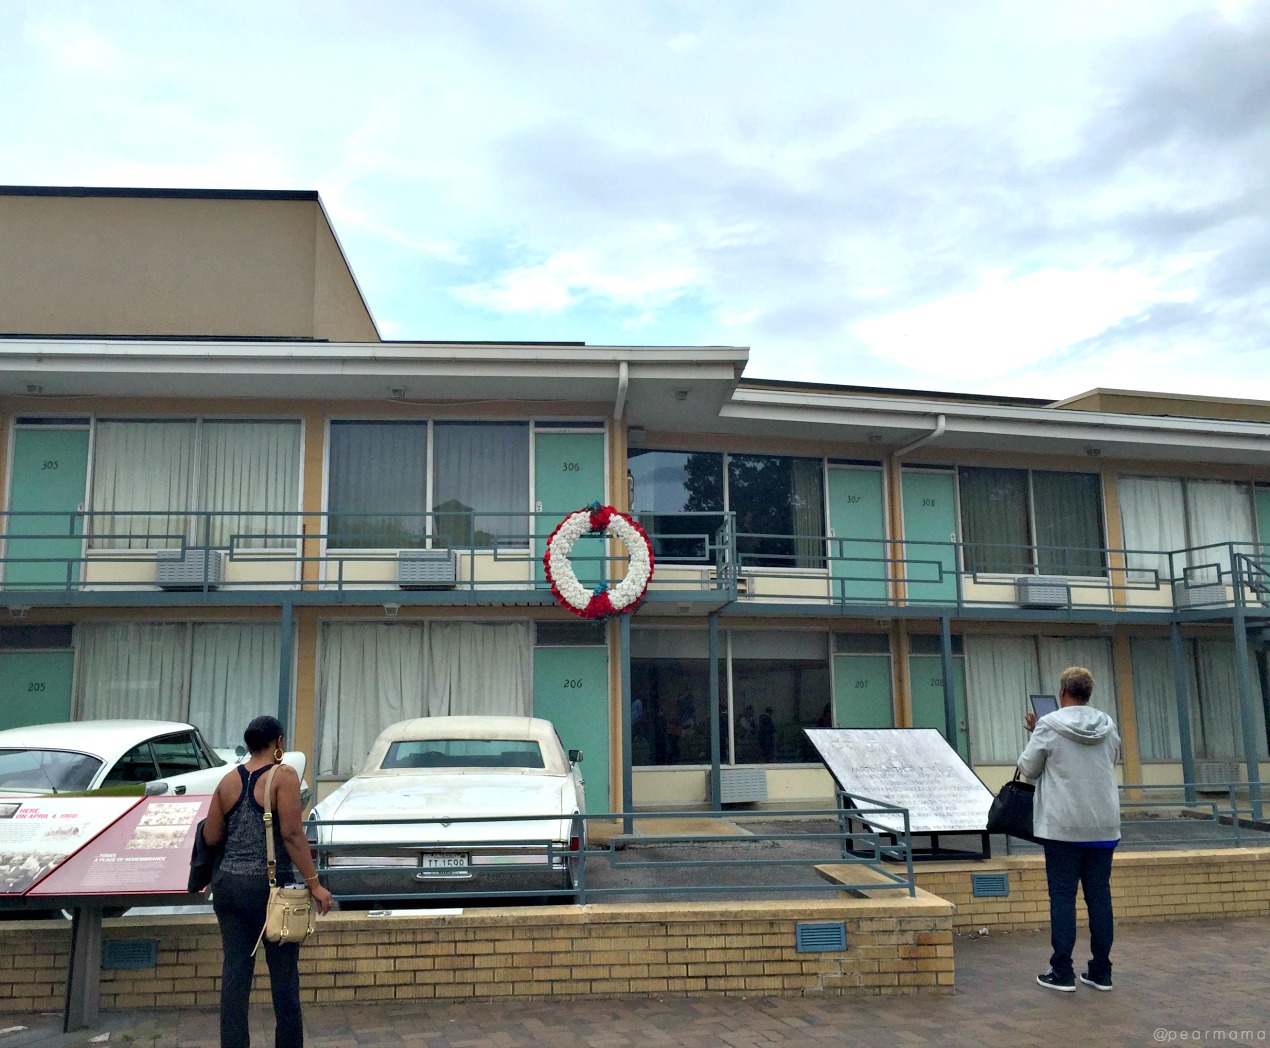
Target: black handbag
{"points": [[203, 861], [1011, 810]]}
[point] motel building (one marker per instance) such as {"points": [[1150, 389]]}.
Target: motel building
{"points": [[225, 494]]}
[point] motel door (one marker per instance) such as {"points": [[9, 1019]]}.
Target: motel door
{"points": [[571, 689], [856, 549], [35, 687], [930, 531], [568, 475], [50, 471]]}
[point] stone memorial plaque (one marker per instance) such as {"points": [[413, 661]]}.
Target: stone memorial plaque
{"points": [[912, 768]]}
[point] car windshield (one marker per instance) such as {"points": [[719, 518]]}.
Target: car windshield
{"points": [[51, 771], [463, 753]]}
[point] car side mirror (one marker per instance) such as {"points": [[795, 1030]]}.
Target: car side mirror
{"points": [[240, 751], [575, 756]]}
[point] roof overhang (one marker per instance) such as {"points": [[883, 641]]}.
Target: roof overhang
{"points": [[659, 387], [894, 422]]}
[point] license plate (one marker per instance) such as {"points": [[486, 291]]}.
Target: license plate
{"points": [[443, 864]]}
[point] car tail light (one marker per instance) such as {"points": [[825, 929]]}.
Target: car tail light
{"points": [[575, 844]]}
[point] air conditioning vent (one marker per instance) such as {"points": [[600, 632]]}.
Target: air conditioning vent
{"points": [[427, 569], [1215, 776], [1198, 594], [742, 785], [1041, 591], [191, 568]]}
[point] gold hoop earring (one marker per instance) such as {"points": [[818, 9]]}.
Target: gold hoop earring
{"points": [[278, 754]]}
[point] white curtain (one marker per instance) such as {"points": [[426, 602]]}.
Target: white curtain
{"points": [[1222, 725], [1154, 701], [140, 467], [1094, 653], [371, 676], [1153, 515], [131, 670], [1001, 672], [233, 678], [250, 470], [374, 675], [478, 668], [1218, 512]]}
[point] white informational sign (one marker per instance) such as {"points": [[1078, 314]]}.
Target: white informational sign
{"points": [[911, 768], [39, 833]]}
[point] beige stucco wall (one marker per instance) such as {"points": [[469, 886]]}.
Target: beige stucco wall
{"points": [[151, 266]]}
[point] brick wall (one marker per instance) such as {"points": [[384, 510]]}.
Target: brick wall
{"points": [[1145, 886], [895, 945]]}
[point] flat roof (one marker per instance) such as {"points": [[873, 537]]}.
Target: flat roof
{"points": [[153, 193]]}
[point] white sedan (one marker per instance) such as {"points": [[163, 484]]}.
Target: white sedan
{"points": [[123, 756], [452, 803]]}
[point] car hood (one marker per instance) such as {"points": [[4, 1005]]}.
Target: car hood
{"points": [[432, 796]]}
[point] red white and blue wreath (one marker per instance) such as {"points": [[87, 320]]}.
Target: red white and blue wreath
{"points": [[603, 600]]}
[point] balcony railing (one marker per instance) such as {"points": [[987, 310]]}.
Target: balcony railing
{"points": [[462, 555]]}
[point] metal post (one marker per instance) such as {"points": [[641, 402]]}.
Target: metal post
{"points": [[712, 647], [284, 667], [83, 981], [1182, 695], [1247, 717], [950, 692], [624, 659]]}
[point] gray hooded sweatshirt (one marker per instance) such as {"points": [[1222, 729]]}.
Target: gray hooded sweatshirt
{"points": [[1072, 757]]}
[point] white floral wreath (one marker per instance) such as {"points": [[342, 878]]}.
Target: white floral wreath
{"points": [[604, 600]]}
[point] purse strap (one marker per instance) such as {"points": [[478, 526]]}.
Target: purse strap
{"points": [[271, 859]]}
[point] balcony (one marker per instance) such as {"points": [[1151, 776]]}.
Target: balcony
{"points": [[702, 565]]}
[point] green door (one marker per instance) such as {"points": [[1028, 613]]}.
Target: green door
{"points": [[926, 688], [862, 691], [856, 522], [569, 474], [571, 689], [930, 534], [1263, 526], [50, 471], [35, 687]]}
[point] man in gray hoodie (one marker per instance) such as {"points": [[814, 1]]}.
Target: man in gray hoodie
{"points": [[1072, 757]]}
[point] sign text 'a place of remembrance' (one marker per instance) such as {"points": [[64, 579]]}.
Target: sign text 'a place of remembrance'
{"points": [[911, 768]]}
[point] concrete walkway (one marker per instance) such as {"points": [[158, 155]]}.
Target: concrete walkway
{"points": [[1182, 982]]}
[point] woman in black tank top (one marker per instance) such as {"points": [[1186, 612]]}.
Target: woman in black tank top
{"points": [[240, 886]]}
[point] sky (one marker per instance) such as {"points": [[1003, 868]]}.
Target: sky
{"points": [[1009, 197]]}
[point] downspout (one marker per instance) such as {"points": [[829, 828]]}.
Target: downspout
{"points": [[902, 683], [623, 384]]}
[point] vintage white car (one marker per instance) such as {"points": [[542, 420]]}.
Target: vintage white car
{"points": [[125, 756], [451, 804]]}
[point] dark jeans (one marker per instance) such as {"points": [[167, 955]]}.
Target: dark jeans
{"points": [[240, 903], [1066, 866]]}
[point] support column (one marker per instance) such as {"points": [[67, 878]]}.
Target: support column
{"points": [[712, 649], [284, 668], [624, 661], [1247, 716], [83, 981], [946, 670]]}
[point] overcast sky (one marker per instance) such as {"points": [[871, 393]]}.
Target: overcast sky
{"points": [[1010, 197]]}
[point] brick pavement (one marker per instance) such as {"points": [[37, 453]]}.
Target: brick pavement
{"points": [[1201, 981]]}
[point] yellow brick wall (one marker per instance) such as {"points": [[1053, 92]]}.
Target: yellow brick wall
{"points": [[1145, 886], [894, 946]]}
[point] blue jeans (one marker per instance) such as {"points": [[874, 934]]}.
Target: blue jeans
{"points": [[1066, 866], [240, 903]]}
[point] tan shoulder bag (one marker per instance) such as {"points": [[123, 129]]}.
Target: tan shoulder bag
{"points": [[289, 915]]}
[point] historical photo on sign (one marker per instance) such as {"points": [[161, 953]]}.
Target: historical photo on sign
{"points": [[911, 768]]}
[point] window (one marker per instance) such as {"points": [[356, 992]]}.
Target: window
{"points": [[780, 510], [1195, 519], [678, 493], [157, 484], [1212, 695], [1018, 521], [778, 502], [1001, 672], [216, 676], [372, 675], [379, 484], [772, 685]]}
